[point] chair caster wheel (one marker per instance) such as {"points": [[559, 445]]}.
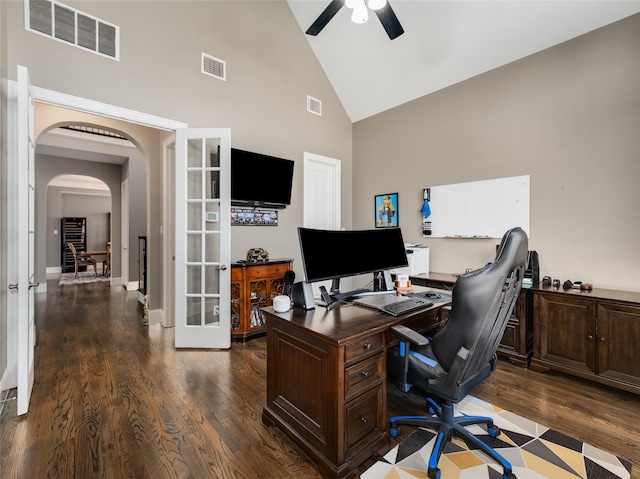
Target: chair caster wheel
{"points": [[433, 473], [494, 431], [394, 431]]}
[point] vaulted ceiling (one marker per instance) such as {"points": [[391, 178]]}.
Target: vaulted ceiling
{"points": [[445, 42]]}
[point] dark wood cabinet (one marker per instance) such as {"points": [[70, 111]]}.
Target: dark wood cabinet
{"points": [[253, 287], [517, 341], [589, 334]]}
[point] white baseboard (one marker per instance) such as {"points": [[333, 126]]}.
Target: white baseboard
{"points": [[41, 288], [132, 286], [54, 269]]}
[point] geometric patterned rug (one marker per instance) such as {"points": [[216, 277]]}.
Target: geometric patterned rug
{"points": [[534, 451], [83, 277]]}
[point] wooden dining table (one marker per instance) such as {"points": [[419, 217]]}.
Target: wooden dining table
{"points": [[90, 254]]}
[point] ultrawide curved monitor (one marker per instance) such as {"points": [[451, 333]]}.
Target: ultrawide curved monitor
{"points": [[334, 254]]}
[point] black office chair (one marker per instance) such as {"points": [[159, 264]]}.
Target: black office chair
{"points": [[463, 353]]}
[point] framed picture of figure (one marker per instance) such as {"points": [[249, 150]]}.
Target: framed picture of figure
{"points": [[386, 210]]}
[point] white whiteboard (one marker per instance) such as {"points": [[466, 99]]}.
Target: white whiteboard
{"points": [[478, 209]]}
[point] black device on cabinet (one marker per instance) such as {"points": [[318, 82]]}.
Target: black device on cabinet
{"points": [[260, 181]]}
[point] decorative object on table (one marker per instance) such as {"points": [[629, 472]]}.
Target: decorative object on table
{"points": [[533, 449], [257, 255], [403, 283], [386, 210], [253, 217]]}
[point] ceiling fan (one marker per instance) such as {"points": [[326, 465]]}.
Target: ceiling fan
{"points": [[360, 15]]}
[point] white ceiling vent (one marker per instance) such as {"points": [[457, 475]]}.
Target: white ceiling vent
{"points": [[314, 105], [73, 27], [214, 66]]}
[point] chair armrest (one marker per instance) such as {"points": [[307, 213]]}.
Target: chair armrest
{"points": [[410, 335]]}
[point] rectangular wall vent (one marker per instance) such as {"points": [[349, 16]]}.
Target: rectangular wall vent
{"points": [[73, 27], [214, 66], [314, 105]]}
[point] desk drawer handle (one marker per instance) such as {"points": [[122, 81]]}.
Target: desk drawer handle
{"points": [[366, 374], [367, 346], [602, 339], [590, 337], [364, 420]]}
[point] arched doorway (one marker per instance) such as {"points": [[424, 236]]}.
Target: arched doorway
{"points": [[72, 200]]}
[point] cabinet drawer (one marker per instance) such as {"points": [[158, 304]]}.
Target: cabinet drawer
{"points": [[362, 376], [363, 347], [363, 419], [236, 274], [257, 272], [278, 270]]}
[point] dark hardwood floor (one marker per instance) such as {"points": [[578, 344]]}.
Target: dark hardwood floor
{"points": [[114, 399]]}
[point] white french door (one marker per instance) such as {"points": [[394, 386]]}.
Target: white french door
{"points": [[202, 241], [22, 241]]}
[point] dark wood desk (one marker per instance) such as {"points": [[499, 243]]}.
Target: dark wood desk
{"points": [[326, 380]]}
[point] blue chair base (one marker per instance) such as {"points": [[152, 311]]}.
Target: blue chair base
{"points": [[448, 426]]}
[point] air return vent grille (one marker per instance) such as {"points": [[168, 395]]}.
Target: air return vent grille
{"points": [[214, 66], [73, 27], [314, 106]]}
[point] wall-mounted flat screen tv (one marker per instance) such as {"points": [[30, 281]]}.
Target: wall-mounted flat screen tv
{"points": [[260, 181]]}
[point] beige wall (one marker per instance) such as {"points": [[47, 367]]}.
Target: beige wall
{"points": [[270, 72], [568, 116]]}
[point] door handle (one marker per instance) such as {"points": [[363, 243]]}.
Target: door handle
{"points": [[33, 285], [13, 286], [222, 267]]}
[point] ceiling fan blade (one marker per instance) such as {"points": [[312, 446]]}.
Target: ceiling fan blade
{"points": [[389, 21], [324, 17]]}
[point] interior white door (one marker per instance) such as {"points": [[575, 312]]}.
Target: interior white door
{"points": [[321, 198], [321, 192], [24, 248], [202, 241]]}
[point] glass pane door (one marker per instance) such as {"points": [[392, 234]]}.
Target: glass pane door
{"points": [[202, 239]]}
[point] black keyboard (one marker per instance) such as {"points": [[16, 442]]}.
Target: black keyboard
{"points": [[402, 307]]}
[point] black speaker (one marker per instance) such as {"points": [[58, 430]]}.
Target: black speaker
{"points": [[289, 278], [303, 295], [532, 273]]}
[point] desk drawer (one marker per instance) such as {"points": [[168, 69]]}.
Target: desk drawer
{"points": [[363, 418], [362, 376], [363, 347]]}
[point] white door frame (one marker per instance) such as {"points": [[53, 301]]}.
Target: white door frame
{"points": [[168, 229], [331, 168], [72, 102], [322, 193]]}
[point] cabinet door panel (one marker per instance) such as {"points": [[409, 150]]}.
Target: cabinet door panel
{"points": [[568, 332], [618, 334]]}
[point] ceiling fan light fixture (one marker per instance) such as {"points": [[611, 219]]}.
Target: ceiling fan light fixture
{"points": [[352, 3], [360, 13], [376, 4]]}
